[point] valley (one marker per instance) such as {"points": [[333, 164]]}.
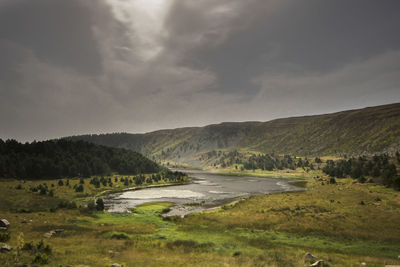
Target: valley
{"points": [[245, 194]]}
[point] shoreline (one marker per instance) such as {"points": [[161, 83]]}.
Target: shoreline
{"points": [[182, 210], [108, 192], [230, 202]]}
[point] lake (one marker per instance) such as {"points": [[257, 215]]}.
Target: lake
{"points": [[206, 190]]}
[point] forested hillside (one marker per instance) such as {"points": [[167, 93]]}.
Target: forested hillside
{"points": [[364, 131], [64, 158]]}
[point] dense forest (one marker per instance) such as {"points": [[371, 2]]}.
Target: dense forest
{"points": [[64, 158], [381, 169]]}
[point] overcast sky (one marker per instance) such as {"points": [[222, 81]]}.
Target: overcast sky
{"points": [[74, 67]]}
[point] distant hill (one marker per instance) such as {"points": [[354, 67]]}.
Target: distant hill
{"points": [[65, 158], [362, 131]]}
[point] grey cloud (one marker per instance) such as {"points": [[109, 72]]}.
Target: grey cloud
{"points": [[56, 31], [283, 36], [74, 67], [373, 81]]}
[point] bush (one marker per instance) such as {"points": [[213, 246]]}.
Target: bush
{"points": [[237, 253], [40, 259], [99, 204], [18, 187], [34, 189], [120, 236], [65, 204], [4, 237], [28, 246], [43, 191], [166, 210], [91, 205], [40, 247], [79, 188]]}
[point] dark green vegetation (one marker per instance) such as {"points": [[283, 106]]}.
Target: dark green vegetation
{"points": [[370, 130], [380, 168], [64, 158], [262, 161]]}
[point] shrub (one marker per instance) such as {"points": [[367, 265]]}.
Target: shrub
{"points": [[65, 204], [99, 204], [166, 210], [34, 189], [40, 259], [43, 191], [91, 205], [42, 247], [119, 236], [237, 253], [362, 179], [4, 237], [79, 188], [28, 246]]}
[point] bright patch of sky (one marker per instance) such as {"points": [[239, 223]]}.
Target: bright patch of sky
{"points": [[145, 18]]}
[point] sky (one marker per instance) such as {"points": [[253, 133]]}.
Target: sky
{"points": [[79, 67]]}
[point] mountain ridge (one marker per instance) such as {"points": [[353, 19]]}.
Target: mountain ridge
{"points": [[358, 131]]}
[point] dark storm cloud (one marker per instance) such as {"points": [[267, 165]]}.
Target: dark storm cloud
{"points": [[72, 67], [55, 30], [283, 36]]}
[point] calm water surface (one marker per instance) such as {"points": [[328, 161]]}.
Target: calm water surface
{"points": [[207, 190]]}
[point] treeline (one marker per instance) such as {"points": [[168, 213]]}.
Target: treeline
{"points": [[380, 167], [261, 161], [65, 158], [269, 162], [165, 175]]}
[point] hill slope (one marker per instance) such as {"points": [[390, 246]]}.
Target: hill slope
{"points": [[368, 130]]}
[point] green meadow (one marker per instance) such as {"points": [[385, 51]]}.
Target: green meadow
{"points": [[344, 224]]}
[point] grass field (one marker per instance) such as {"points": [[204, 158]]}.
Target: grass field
{"points": [[344, 224]]}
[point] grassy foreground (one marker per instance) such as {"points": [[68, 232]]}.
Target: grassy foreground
{"points": [[344, 224]]}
